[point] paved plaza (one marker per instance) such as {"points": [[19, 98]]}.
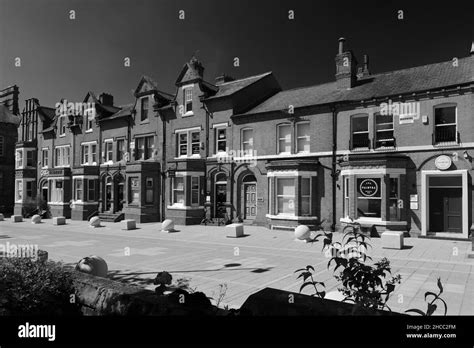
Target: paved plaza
{"points": [[206, 257]]}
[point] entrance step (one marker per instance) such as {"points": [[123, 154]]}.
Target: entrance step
{"points": [[111, 217]]}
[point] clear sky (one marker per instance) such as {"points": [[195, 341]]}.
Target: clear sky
{"points": [[65, 58]]}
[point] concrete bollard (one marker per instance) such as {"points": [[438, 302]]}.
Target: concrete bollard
{"points": [[128, 224], [17, 218], [2, 218], [392, 240], [59, 220], [167, 226], [36, 219], [235, 230], [95, 222]]}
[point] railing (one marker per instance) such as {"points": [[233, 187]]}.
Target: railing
{"points": [[445, 136], [359, 144]]}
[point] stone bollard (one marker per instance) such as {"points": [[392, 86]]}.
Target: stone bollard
{"points": [[17, 218], [94, 265], [95, 222], [167, 226], [128, 224], [302, 233], [235, 230], [59, 220], [2, 217], [392, 240], [36, 219]]}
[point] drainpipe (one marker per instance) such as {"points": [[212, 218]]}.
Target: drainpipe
{"points": [[163, 169], [334, 166]]}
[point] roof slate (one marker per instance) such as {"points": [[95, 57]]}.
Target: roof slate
{"points": [[394, 83]]}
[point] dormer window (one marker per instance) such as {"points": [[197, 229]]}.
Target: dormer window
{"points": [[188, 101], [89, 116], [62, 126], [144, 109]]}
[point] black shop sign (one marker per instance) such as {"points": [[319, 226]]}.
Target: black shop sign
{"points": [[369, 187]]}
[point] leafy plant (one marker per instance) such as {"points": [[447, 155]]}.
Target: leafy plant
{"points": [[220, 295], [366, 285], [431, 306], [35, 287]]}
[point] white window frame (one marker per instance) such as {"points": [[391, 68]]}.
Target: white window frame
{"points": [[108, 142], [305, 137], [174, 190], [346, 197], [64, 161], [75, 181], [188, 98], [89, 153], [144, 101], [217, 141], [89, 119], [189, 142], [62, 126], [309, 196], [353, 117], [243, 142], [283, 196], [442, 106], [18, 197], [19, 158], [44, 159], [146, 154], [376, 133], [280, 138]]}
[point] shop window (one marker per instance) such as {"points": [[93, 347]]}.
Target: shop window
{"points": [[57, 190], [194, 190], [149, 190], [305, 190], [286, 196], [247, 140], [394, 199], [178, 190], [284, 138], [302, 137], [134, 190], [369, 200], [384, 131], [359, 132], [445, 124]]}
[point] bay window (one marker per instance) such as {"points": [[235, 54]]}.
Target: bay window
{"points": [[19, 191], [57, 190], [305, 194], [178, 190], [195, 190], [19, 159], [369, 198], [134, 185], [285, 196], [91, 185], [78, 189]]}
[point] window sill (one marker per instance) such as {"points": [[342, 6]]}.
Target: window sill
{"points": [[360, 149], [447, 143], [88, 131], [187, 114], [184, 207], [290, 217], [374, 221], [62, 135], [145, 121]]}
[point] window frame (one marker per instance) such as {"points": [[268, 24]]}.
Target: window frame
{"points": [[188, 143], [193, 203], [19, 158], [174, 189], [217, 140], [249, 142], [144, 108], [280, 138], [298, 137], [62, 126], [108, 151], [377, 131], [188, 100], [277, 196], [44, 159], [436, 126], [352, 118]]}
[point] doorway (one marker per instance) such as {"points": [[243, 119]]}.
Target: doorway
{"points": [[120, 193], [220, 192], [445, 204], [108, 194], [250, 197]]}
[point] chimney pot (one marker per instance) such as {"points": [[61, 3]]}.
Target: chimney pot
{"points": [[341, 45]]}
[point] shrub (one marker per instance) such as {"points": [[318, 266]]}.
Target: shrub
{"points": [[31, 287], [366, 285]]}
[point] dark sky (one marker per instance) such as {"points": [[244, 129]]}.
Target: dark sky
{"points": [[63, 58]]}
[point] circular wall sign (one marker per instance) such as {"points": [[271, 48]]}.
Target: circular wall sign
{"points": [[368, 187], [443, 162]]}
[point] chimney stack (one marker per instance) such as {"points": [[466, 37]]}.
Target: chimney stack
{"points": [[106, 99], [346, 67], [223, 79]]}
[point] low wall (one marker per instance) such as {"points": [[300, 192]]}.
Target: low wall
{"points": [[101, 296]]}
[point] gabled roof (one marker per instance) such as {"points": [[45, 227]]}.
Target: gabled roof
{"points": [[231, 87], [6, 116], [394, 83], [154, 86], [46, 111], [192, 70]]}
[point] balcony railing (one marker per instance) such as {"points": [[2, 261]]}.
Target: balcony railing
{"points": [[359, 144], [446, 135]]}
